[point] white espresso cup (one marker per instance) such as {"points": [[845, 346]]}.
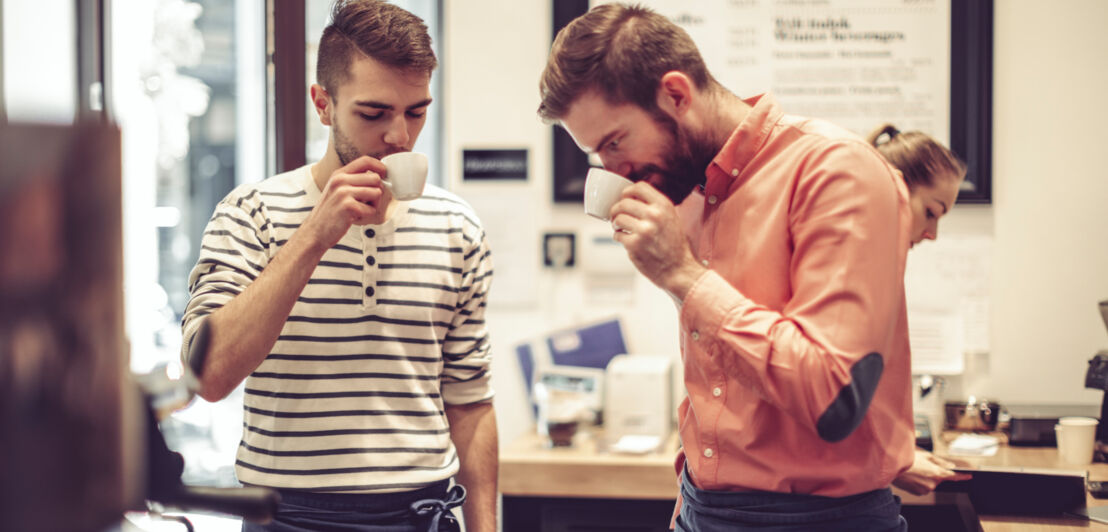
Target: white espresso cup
{"points": [[1076, 436], [407, 173], [602, 190]]}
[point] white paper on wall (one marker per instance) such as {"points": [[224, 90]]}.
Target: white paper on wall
{"points": [[511, 230], [609, 275], [937, 342], [951, 275]]}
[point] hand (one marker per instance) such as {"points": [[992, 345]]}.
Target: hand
{"points": [[927, 472], [646, 223], [353, 195]]}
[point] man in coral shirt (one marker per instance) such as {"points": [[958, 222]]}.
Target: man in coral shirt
{"points": [[783, 241]]}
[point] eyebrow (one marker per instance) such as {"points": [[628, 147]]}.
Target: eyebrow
{"points": [[945, 209], [385, 106], [604, 141]]}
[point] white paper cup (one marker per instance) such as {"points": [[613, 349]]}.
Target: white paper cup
{"points": [[602, 190], [407, 173], [1076, 437]]}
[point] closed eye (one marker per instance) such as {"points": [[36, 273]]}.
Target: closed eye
{"points": [[417, 114], [930, 215], [371, 117]]}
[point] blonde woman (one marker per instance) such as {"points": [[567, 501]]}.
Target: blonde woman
{"points": [[933, 175], [932, 172]]}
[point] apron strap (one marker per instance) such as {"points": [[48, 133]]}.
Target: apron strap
{"points": [[439, 510]]}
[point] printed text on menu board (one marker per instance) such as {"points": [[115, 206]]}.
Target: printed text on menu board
{"points": [[856, 63]]}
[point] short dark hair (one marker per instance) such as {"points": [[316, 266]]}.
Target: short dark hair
{"points": [[620, 50], [376, 29], [918, 156]]}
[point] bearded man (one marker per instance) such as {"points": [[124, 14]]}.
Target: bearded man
{"points": [[783, 241]]}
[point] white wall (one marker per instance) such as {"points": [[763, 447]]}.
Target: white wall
{"points": [[1050, 261], [1048, 217]]}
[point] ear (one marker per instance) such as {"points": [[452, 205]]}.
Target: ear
{"points": [[675, 93], [322, 102]]}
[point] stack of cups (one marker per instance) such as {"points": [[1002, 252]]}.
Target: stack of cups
{"points": [[1076, 437]]}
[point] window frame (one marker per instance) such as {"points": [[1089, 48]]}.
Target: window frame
{"points": [[287, 34]]}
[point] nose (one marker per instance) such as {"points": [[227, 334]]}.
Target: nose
{"points": [[397, 132], [931, 233]]}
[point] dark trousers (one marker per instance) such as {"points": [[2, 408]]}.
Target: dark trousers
{"points": [[422, 510], [716, 511]]}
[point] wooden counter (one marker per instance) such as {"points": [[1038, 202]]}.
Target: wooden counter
{"points": [[1028, 457], [528, 467], [529, 470]]}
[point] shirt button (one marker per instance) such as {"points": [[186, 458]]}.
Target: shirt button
{"points": [[712, 200], [370, 233], [717, 392], [734, 172], [704, 262], [370, 260], [369, 291], [695, 336], [708, 452]]}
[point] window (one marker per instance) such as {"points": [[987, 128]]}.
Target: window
{"points": [[188, 82], [38, 68]]}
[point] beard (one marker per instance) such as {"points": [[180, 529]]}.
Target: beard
{"points": [[682, 170], [346, 150]]}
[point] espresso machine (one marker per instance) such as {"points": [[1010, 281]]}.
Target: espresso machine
{"points": [[1096, 377]]}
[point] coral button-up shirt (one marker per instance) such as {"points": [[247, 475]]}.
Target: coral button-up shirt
{"points": [[795, 342]]}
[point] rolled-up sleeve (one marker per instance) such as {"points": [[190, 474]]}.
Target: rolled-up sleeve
{"points": [[466, 349], [233, 252], [818, 359]]}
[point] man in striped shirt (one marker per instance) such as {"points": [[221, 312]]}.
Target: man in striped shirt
{"points": [[356, 320]]}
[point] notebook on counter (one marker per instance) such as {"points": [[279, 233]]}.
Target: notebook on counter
{"points": [[1022, 490]]}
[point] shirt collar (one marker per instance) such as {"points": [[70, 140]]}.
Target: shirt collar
{"points": [[743, 144]]}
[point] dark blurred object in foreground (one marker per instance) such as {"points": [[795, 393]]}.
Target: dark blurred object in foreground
{"points": [[79, 441], [66, 420]]}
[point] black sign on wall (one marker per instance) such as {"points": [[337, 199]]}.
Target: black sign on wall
{"points": [[494, 164]]}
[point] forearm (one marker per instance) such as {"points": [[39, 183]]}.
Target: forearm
{"points": [[243, 331], [473, 431], [774, 353]]}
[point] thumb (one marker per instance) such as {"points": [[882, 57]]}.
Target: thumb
{"points": [[943, 462]]}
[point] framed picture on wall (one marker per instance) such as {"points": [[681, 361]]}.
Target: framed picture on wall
{"points": [[971, 95], [570, 163], [925, 66]]}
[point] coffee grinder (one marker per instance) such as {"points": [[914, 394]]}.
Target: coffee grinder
{"points": [[1096, 377]]}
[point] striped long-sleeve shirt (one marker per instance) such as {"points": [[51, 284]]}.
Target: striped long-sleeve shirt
{"points": [[389, 329]]}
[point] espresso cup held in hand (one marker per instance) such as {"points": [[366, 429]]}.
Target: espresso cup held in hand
{"points": [[407, 173], [602, 190]]}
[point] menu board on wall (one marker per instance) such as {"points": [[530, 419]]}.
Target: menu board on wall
{"points": [[856, 63]]}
